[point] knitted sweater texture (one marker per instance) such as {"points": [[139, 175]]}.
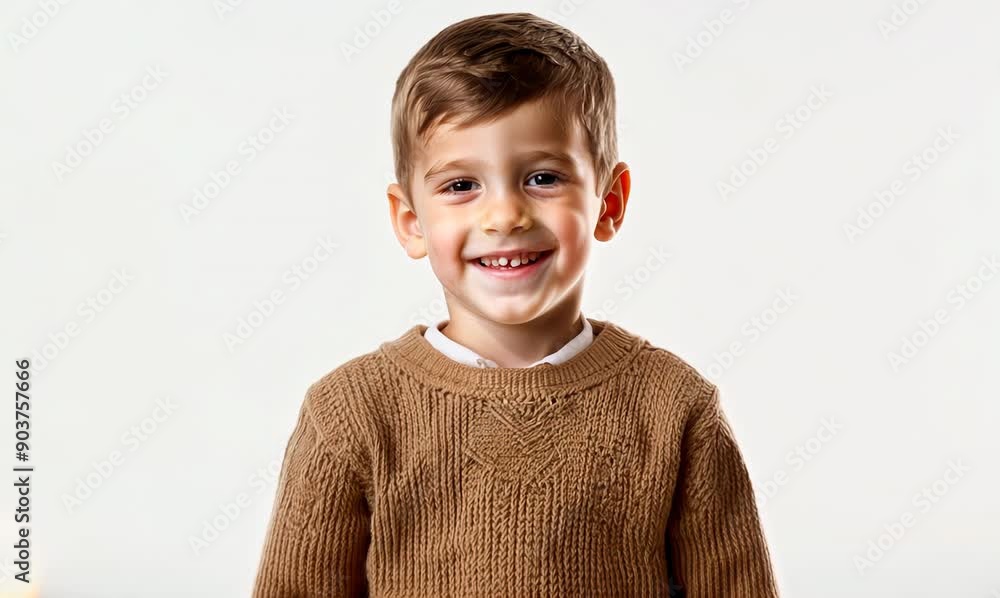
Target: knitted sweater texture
{"points": [[615, 473]]}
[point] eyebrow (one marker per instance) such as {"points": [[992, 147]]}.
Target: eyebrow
{"points": [[438, 168], [533, 156]]}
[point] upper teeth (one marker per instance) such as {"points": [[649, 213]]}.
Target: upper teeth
{"points": [[513, 262]]}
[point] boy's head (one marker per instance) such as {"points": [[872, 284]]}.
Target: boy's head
{"points": [[503, 132]]}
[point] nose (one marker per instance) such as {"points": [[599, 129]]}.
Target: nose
{"points": [[506, 211]]}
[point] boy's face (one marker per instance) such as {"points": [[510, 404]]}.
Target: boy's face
{"points": [[518, 184]]}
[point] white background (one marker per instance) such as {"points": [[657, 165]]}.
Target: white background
{"points": [[684, 125]]}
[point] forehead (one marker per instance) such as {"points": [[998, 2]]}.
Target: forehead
{"points": [[530, 128]]}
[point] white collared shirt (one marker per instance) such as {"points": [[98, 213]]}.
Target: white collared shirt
{"points": [[463, 354]]}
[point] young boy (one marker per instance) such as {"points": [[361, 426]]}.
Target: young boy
{"points": [[516, 448]]}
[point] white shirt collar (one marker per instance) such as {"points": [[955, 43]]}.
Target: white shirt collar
{"points": [[463, 354]]}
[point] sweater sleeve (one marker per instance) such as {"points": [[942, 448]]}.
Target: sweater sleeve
{"points": [[317, 539], [715, 539]]}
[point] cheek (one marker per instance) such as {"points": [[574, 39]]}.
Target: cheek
{"points": [[572, 229], [573, 234], [444, 244]]}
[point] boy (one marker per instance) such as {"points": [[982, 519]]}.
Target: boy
{"points": [[516, 448]]}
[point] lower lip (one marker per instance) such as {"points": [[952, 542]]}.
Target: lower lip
{"points": [[514, 273]]}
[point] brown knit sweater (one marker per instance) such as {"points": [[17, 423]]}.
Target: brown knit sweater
{"points": [[612, 474]]}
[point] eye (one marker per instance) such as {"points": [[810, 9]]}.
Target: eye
{"points": [[544, 179], [458, 186]]}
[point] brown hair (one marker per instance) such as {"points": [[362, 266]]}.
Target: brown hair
{"points": [[478, 69]]}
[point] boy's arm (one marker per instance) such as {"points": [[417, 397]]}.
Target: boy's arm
{"points": [[716, 543], [317, 539]]}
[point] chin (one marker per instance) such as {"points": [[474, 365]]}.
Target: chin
{"points": [[489, 311], [510, 318]]}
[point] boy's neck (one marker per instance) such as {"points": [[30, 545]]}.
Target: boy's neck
{"points": [[518, 345]]}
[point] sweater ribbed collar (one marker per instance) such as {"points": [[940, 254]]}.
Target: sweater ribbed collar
{"points": [[611, 350]]}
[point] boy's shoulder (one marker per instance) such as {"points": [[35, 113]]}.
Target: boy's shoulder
{"points": [[362, 365], [337, 398], [671, 371]]}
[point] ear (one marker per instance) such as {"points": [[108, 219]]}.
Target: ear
{"points": [[405, 223], [612, 215]]}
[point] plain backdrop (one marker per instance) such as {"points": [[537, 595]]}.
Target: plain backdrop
{"points": [[842, 291]]}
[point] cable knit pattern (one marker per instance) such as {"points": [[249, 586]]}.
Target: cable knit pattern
{"points": [[615, 473]]}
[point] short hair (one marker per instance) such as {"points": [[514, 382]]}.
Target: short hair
{"points": [[479, 69]]}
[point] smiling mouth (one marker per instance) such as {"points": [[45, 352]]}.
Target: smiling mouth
{"points": [[511, 264]]}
